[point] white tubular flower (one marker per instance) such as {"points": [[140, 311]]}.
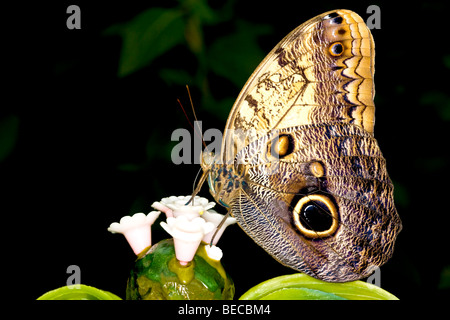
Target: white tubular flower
{"points": [[187, 235], [175, 206], [215, 253], [216, 218], [159, 206], [136, 229]]}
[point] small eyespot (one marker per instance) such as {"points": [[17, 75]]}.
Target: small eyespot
{"points": [[331, 15], [316, 216], [336, 49], [337, 20], [282, 146], [317, 169]]}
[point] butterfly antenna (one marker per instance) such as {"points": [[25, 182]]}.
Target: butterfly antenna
{"points": [[185, 114], [200, 135], [199, 132]]}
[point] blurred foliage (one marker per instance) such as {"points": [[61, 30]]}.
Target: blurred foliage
{"points": [[155, 31], [9, 127], [439, 101], [446, 59], [444, 282], [148, 36]]}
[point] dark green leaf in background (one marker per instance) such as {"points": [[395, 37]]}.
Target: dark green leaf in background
{"points": [[235, 56], [447, 61], [175, 76], [9, 127], [444, 282], [401, 195], [440, 101], [148, 36]]}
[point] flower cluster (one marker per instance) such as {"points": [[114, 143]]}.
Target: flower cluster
{"points": [[189, 221]]}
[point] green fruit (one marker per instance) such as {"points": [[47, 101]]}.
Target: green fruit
{"points": [[159, 276]]}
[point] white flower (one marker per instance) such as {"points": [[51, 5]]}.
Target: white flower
{"points": [[216, 218], [187, 235], [215, 253], [175, 206], [136, 229], [159, 206]]}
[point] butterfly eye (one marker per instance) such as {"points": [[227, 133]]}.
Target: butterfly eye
{"points": [[282, 146], [336, 49], [316, 216]]}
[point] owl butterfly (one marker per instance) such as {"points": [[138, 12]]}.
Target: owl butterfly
{"points": [[299, 166]]}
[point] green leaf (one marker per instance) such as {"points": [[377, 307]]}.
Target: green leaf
{"points": [[148, 36], [300, 294], [175, 76], [164, 153], [401, 195], [78, 292], [9, 128], [194, 35], [446, 59], [236, 56], [299, 286], [439, 100], [444, 282], [201, 10], [220, 108]]}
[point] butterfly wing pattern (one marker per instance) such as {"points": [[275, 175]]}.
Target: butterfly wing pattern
{"points": [[299, 167]]}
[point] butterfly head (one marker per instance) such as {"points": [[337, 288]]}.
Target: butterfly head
{"points": [[223, 179], [208, 162]]}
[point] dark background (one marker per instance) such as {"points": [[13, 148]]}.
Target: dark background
{"points": [[85, 136]]}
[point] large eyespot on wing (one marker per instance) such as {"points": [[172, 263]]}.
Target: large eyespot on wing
{"points": [[322, 72], [325, 213], [316, 216]]}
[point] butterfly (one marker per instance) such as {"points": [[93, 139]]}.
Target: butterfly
{"points": [[299, 167]]}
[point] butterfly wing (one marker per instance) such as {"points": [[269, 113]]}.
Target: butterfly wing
{"points": [[300, 138], [322, 72]]}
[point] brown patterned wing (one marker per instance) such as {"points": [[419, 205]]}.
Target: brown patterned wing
{"points": [[300, 168], [322, 72]]}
